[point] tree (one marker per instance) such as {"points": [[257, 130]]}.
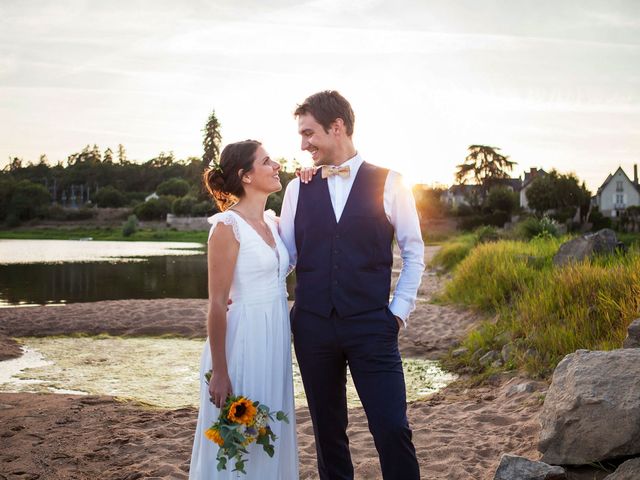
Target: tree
{"points": [[212, 140], [484, 165], [122, 155], [502, 199], [110, 197], [108, 155], [174, 186], [561, 193], [28, 200]]}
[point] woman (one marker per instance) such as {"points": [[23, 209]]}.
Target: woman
{"points": [[249, 346]]}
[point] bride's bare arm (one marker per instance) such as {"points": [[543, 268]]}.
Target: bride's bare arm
{"points": [[222, 253]]}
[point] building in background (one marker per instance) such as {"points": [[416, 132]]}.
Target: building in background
{"points": [[617, 193]]}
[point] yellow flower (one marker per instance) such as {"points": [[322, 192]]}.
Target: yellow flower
{"points": [[242, 411], [214, 435], [262, 432]]}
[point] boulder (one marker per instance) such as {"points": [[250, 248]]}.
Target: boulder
{"points": [[592, 408], [513, 467], [489, 358], [633, 335], [629, 470], [602, 242]]}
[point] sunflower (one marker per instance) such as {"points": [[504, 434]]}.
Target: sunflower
{"points": [[214, 435], [242, 411]]}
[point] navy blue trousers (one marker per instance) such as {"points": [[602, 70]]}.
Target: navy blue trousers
{"points": [[368, 344]]}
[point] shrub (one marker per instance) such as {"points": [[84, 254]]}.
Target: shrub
{"points": [[29, 200], [183, 206], [176, 187], [110, 197], [130, 226], [154, 209], [201, 209], [533, 227]]}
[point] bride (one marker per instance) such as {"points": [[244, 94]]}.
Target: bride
{"points": [[249, 346]]}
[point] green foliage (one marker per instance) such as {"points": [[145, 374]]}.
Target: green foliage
{"points": [[532, 227], [174, 186], [502, 199], [212, 140], [130, 226], [453, 252], [496, 219], [183, 206], [598, 220], [28, 200], [154, 209], [202, 209], [493, 273], [484, 165], [558, 192], [543, 312], [110, 197]]}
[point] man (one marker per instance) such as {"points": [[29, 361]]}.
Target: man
{"points": [[339, 228]]}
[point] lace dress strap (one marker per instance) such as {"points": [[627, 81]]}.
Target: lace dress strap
{"points": [[225, 218]]}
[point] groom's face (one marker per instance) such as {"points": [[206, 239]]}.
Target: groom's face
{"points": [[315, 140]]}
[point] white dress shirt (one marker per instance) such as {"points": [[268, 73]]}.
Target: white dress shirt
{"points": [[400, 209]]}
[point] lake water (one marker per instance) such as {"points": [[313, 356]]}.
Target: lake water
{"points": [[159, 371], [40, 272]]}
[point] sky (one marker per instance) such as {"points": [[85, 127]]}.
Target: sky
{"points": [[553, 84]]}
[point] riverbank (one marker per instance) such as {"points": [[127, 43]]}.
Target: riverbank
{"points": [[459, 432]]}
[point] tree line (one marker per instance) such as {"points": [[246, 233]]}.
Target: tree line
{"points": [[101, 178]]}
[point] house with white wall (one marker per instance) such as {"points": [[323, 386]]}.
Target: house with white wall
{"points": [[617, 193]]}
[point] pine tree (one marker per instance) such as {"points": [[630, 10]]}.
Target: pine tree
{"points": [[212, 140]]}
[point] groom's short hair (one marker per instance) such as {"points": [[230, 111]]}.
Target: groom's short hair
{"points": [[326, 107]]}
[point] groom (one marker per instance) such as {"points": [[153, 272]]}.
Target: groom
{"points": [[339, 229]]}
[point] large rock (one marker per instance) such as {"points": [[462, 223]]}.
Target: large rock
{"points": [[629, 470], [602, 242], [592, 408], [633, 335], [519, 468]]}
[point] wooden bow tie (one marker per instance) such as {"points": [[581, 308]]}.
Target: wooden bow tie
{"points": [[331, 170]]}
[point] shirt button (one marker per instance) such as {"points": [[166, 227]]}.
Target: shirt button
{"points": [[336, 267], [335, 282]]}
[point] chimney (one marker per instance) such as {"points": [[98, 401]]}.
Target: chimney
{"points": [[534, 170], [635, 174]]}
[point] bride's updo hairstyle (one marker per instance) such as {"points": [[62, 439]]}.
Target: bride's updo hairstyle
{"points": [[223, 180]]}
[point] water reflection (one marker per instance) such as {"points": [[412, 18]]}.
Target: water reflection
{"points": [[42, 272], [163, 372], [144, 278]]}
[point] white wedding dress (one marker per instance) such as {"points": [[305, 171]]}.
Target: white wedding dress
{"points": [[258, 348]]}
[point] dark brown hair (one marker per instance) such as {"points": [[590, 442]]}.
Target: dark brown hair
{"points": [[223, 181], [326, 107]]}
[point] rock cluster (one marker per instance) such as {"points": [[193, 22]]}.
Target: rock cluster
{"points": [[591, 414]]}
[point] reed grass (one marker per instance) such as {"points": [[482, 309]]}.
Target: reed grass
{"points": [[542, 312]]}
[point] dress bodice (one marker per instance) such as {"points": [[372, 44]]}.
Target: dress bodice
{"points": [[261, 270]]}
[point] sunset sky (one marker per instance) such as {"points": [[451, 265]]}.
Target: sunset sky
{"points": [[555, 84]]}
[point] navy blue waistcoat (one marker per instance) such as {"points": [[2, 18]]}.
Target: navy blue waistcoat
{"points": [[344, 265]]}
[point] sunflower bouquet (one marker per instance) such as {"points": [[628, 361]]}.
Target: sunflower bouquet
{"points": [[242, 421]]}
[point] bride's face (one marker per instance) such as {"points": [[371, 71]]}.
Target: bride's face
{"points": [[264, 174]]}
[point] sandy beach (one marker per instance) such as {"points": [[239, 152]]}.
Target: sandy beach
{"points": [[459, 432]]}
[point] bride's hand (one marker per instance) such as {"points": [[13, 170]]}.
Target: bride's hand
{"points": [[219, 389], [306, 173]]}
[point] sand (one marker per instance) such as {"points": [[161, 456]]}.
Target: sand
{"points": [[459, 433]]}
